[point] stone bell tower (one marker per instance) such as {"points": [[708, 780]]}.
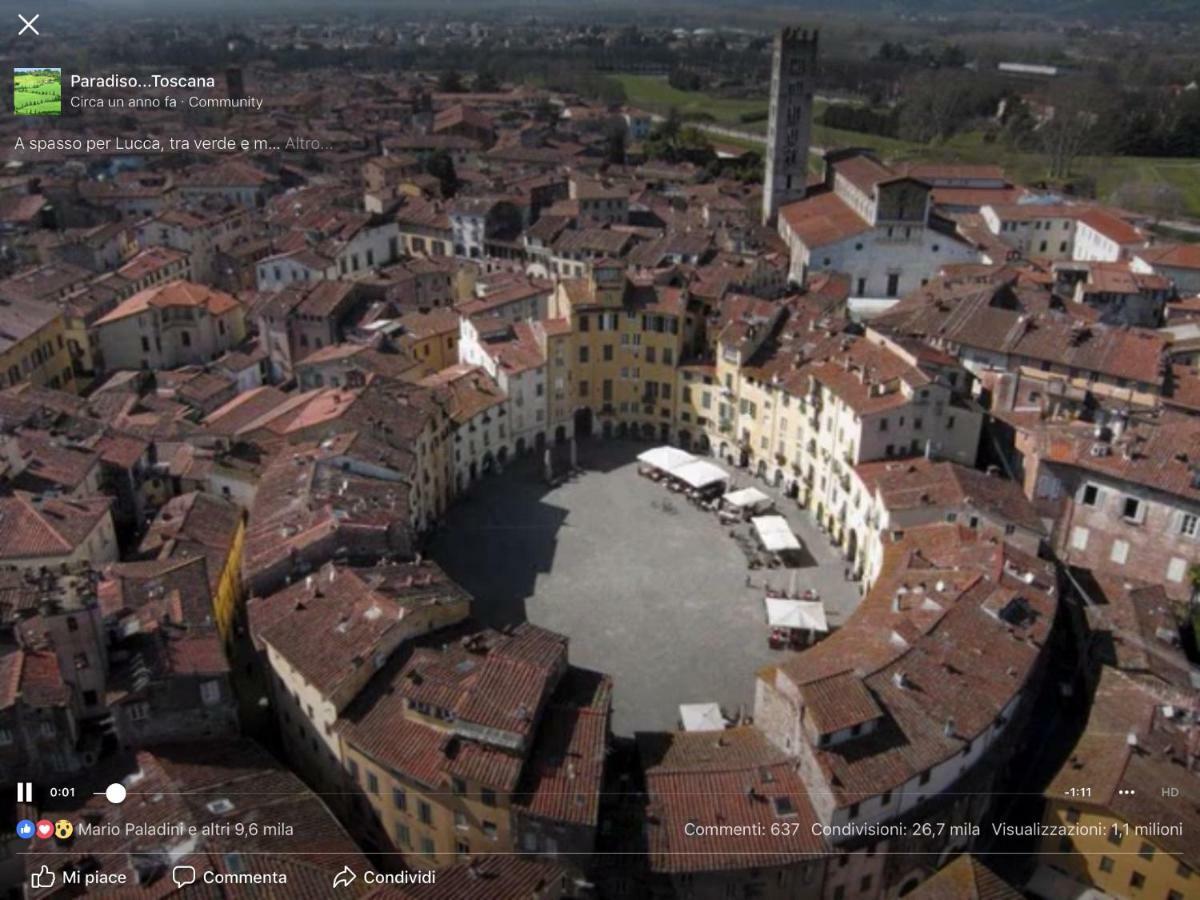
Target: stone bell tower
{"points": [[789, 131]]}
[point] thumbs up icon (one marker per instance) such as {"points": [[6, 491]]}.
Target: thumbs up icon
{"points": [[42, 878]]}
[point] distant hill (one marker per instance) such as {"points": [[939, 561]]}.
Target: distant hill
{"points": [[1181, 10]]}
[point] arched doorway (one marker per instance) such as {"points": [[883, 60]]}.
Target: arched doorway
{"points": [[762, 469], [607, 429], [685, 439], [647, 431], [539, 441], [704, 444], [622, 430], [583, 421], [560, 435], [664, 433], [520, 446], [474, 471], [778, 478], [502, 456], [489, 463], [852, 547]]}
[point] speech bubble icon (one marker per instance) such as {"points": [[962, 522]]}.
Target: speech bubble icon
{"points": [[183, 876]]}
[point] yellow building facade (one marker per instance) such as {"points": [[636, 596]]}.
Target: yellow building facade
{"points": [[433, 825], [33, 346], [1108, 853], [628, 341]]}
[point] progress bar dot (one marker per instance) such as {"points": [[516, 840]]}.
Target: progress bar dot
{"points": [[115, 793]]}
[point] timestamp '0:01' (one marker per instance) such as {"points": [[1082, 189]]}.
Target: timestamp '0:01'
{"points": [[786, 829]]}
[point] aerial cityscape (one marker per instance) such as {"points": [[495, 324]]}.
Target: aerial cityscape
{"points": [[536, 450]]}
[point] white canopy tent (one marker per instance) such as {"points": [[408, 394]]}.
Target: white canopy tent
{"points": [[700, 473], [701, 717], [747, 498], [810, 614], [665, 458], [775, 534]]}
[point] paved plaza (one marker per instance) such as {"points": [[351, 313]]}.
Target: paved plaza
{"points": [[649, 588]]}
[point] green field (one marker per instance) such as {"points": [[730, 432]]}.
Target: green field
{"points": [[37, 92], [1110, 172]]}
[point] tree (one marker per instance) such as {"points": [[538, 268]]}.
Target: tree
{"points": [[1073, 125], [546, 112], [441, 166], [615, 142], [486, 82], [450, 82], [934, 106]]}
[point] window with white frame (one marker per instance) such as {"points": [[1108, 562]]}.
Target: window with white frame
{"points": [[1133, 509], [1176, 569], [1189, 525], [1079, 538], [210, 693]]}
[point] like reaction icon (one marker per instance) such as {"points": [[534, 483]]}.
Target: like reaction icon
{"points": [[25, 829], [42, 878]]}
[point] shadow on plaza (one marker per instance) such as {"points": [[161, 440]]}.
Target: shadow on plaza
{"points": [[503, 532]]}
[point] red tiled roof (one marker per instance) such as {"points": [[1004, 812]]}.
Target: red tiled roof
{"points": [[723, 778], [47, 527], [183, 294], [823, 219]]}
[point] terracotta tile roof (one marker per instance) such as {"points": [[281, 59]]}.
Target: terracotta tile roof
{"points": [[837, 702], [823, 219], [194, 524], [341, 618], [54, 461], [1111, 226], [563, 777], [944, 639], [867, 377], [966, 878], [1172, 256], [919, 483], [1133, 628], [306, 503], [247, 409], [488, 689], [471, 391], [995, 313], [863, 172], [48, 526], [150, 592], [1157, 451], [41, 684], [172, 295], [723, 778], [1132, 744]]}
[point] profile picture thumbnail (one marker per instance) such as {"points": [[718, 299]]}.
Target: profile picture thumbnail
{"points": [[37, 92]]}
